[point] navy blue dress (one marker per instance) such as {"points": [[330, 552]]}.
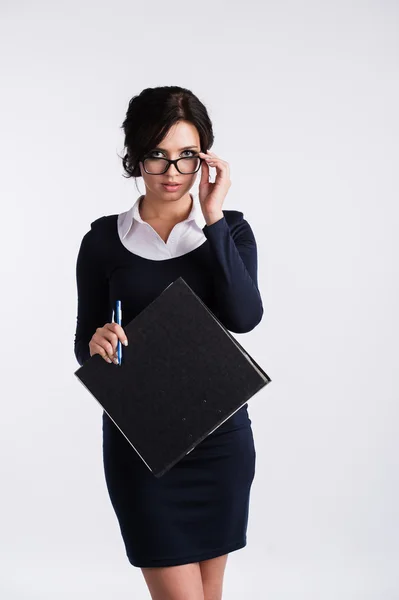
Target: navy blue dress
{"points": [[199, 509]]}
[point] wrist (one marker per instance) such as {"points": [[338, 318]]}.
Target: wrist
{"points": [[214, 217]]}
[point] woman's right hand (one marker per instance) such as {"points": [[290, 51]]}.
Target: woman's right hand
{"points": [[105, 341]]}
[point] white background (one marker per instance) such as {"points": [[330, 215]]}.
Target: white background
{"points": [[304, 101]]}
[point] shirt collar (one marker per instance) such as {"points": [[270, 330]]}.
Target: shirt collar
{"points": [[133, 214]]}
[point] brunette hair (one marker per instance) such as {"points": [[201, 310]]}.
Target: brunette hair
{"points": [[149, 117]]}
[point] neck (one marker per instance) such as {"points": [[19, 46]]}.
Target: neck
{"points": [[151, 209]]}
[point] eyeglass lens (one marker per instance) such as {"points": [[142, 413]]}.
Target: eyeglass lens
{"points": [[156, 166]]}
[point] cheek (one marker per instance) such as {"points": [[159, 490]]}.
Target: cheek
{"points": [[150, 181], [191, 180]]}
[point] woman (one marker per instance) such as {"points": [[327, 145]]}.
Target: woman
{"points": [[178, 528]]}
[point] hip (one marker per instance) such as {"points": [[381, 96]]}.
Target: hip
{"points": [[233, 436]]}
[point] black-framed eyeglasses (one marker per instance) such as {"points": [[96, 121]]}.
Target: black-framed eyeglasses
{"points": [[158, 166]]}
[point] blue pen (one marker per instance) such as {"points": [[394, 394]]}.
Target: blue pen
{"points": [[118, 318]]}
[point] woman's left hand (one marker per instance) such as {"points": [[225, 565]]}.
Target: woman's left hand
{"points": [[212, 195]]}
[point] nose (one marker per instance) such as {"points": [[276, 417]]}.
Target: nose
{"points": [[171, 169]]}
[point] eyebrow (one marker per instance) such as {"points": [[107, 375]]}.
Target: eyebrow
{"points": [[185, 148]]}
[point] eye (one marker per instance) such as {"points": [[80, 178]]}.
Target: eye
{"points": [[151, 154]]}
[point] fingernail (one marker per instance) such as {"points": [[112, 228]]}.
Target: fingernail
{"points": [[125, 343], [116, 361]]}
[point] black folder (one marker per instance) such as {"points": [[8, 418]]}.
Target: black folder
{"points": [[181, 376]]}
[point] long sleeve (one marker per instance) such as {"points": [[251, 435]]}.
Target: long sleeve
{"points": [[238, 303], [92, 294]]}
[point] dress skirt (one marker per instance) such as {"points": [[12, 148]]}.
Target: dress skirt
{"points": [[197, 510]]}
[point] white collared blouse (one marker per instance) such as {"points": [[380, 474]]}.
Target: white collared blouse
{"points": [[140, 238]]}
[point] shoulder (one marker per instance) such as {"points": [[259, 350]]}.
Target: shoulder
{"points": [[100, 228], [103, 223], [100, 231]]}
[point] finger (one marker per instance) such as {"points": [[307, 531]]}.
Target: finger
{"points": [[208, 153], [204, 173], [222, 170], [215, 160], [107, 339], [221, 166], [119, 332], [207, 158], [96, 348], [108, 332], [211, 156]]}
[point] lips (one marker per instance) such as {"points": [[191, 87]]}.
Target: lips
{"points": [[170, 186]]}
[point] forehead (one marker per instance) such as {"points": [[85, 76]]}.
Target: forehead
{"points": [[181, 134]]}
